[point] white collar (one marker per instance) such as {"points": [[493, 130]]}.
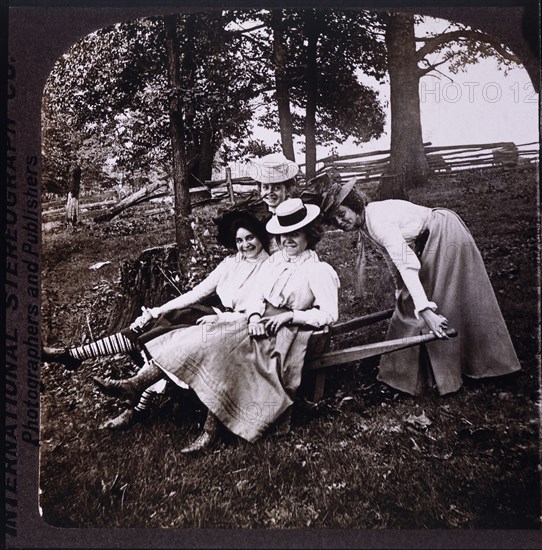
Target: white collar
{"points": [[263, 255], [282, 257]]}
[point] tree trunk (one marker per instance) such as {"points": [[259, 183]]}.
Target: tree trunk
{"points": [[188, 68], [407, 156], [183, 229], [281, 86], [206, 155], [72, 203], [392, 186], [311, 82]]}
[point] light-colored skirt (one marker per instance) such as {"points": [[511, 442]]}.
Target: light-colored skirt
{"points": [[246, 382], [454, 277]]}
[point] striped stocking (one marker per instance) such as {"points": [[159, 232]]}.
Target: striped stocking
{"points": [[149, 394], [110, 345]]}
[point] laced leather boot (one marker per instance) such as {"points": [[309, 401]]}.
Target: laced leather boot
{"points": [[125, 420], [207, 439], [62, 356], [123, 389]]}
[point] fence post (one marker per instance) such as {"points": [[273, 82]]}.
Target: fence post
{"points": [[229, 184], [72, 203]]}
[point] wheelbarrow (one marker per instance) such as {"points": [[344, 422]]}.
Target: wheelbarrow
{"points": [[319, 358]]}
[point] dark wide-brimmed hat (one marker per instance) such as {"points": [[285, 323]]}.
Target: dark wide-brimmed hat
{"points": [[332, 191], [273, 168], [230, 222], [290, 215]]}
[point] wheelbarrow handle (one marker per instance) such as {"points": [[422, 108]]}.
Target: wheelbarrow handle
{"points": [[357, 353]]}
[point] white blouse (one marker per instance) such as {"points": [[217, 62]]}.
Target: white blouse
{"points": [[303, 284], [394, 225], [233, 280]]}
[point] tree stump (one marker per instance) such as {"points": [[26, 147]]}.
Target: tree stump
{"points": [[161, 273], [72, 209], [148, 281]]}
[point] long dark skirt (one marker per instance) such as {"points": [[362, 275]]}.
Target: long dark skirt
{"points": [[454, 277]]}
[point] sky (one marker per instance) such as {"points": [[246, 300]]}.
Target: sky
{"points": [[481, 105]]}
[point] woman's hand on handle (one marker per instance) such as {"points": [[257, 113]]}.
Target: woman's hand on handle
{"points": [[273, 324], [142, 320], [256, 327], [438, 324]]}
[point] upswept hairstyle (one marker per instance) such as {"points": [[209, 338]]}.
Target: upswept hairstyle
{"points": [[232, 221]]}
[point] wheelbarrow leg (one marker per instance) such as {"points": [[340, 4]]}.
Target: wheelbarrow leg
{"points": [[319, 383]]}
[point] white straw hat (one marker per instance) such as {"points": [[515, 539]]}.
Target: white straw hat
{"points": [[290, 215], [274, 168]]}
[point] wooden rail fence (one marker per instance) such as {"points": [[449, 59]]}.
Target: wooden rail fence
{"points": [[367, 167]]}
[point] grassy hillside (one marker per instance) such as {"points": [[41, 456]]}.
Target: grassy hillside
{"points": [[365, 457]]}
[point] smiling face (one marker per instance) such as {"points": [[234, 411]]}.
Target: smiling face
{"points": [[247, 243], [273, 194], [294, 243], [346, 219]]}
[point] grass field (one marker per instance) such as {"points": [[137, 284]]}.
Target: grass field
{"points": [[365, 457]]}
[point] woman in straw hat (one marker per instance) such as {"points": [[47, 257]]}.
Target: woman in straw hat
{"points": [[230, 281], [442, 282], [247, 372], [276, 177]]}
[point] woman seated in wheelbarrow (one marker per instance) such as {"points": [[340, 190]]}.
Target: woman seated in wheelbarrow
{"points": [[247, 371], [231, 281]]}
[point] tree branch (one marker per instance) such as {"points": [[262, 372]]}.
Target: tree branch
{"points": [[433, 44], [243, 31], [430, 67]]}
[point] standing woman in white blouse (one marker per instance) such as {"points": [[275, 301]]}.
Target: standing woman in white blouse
{"points": [[441, 281], [247, 370]]}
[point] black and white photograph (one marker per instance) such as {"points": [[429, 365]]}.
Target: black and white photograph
{"points": [[272, 275]]}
